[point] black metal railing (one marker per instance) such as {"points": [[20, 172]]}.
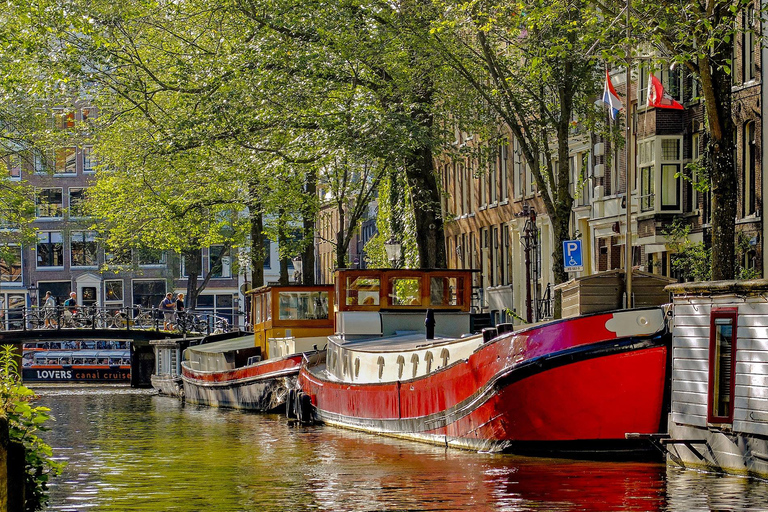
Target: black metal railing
{"points": [[92, 317], [545, 307]]}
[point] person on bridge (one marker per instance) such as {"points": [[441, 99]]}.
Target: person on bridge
{"points": [[70, 307], [49, 308], [167, 306]]}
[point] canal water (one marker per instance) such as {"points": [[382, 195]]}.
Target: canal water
{"points": [[131, 450]]}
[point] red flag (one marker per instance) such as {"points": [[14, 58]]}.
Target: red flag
{"points": [[658, 97]]}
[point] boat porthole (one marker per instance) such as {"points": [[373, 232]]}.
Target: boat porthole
{"points": [[400, 365], [415, 362], [357, 366]]}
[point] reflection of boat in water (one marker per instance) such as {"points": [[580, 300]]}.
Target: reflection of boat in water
{"points": [[43, 365], [577, 384], [255, 372]]}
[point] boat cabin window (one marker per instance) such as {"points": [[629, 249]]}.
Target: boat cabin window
{"points": [[405, 291], [258, 305], [303, 305], [722, 360], [443, 291], [363, 291]]}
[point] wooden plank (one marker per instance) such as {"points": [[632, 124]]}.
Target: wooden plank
{"points": [[691, 375], [751, 404], [747, 379], [752, 342], [691, 331], [690, 386], [683, 397], [689, 419], [752, 368], [690, 353], [690, 342], [690, 364], [751, 356], [688, 409], [758, 392]]}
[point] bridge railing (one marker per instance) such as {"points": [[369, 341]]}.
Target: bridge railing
{"points": [[125, 318]]}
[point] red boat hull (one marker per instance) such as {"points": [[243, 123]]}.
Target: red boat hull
{"points": [[258, 387], [513, 394]]}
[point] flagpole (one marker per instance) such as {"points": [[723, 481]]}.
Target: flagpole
{"points": [[629, 172]]}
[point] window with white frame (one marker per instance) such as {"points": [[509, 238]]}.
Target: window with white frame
{"points": [[13, 162], [83, 249], [150, 257], [76, 201], [65, 160], [493, 179], [484, 179], [49, 202], [219, 262], [672, 79], [50, 249], [671, 164], [748, 70], [113, 292], [749, 175], [646, 157], [11, 264], [517, 169], [503, 171], [89, 159]]}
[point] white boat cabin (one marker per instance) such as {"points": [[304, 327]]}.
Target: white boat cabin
{"points": [[719, 400]]}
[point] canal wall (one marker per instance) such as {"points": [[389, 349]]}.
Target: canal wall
{"points": [[11, 472]]}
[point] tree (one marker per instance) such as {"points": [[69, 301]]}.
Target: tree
{"points": [[529, 63], [700, 36]]}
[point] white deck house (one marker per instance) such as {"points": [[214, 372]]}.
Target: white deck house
{"points": [[719, 401]]}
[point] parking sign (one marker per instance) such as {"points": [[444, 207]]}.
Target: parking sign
{"points": [[573, 258]]}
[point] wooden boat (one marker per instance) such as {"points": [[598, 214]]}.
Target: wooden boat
{"points": [[254, 372], [76, 366], [719, 410], [578, 384]]}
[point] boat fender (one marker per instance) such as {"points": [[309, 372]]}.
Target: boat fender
{"points": [[489, 333], [290, 405], [304, 408]]}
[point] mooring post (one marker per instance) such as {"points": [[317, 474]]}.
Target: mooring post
{"points": [[429, 322]]}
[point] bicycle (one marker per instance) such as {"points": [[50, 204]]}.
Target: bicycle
{"points": [[144, 319], [189, 322], [34, 318]]}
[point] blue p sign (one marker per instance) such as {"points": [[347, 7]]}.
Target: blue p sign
{"points": [[573, 259]]}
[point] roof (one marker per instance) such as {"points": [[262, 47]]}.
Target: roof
{"points": [[226, 345]]}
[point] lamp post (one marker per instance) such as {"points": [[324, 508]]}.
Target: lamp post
{"points": [[32, 289], [297, 269], [393, 249]]}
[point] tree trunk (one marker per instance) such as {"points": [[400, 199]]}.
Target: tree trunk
{"points": [[720, 149], [308, 255], [342, 241], [425, 198], [193, 264], [257, 240], [281, 240]]}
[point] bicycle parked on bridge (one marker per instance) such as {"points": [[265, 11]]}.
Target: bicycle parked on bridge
{"points": [[143, 319]]}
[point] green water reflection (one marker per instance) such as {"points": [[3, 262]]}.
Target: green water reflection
{"points": [[135, 451]]}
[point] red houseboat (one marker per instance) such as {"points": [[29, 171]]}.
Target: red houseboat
{"points": [[255, 372], [579, 384]]}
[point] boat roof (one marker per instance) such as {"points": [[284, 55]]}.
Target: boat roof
{"points": [[225, 345]]}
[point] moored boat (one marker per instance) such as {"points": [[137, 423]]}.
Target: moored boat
{"points": [[76, 366], [255, 372], [578, 384]]}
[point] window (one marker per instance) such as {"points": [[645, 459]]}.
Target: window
{"points": [[65, 160], [303, 306], [646, 188], [642, 86], [149, 256], [484, 180], [219, 267], [493, 180], [748, 46], [118, 257], [113, 290], [63, 119], [670, 174], [76, 199], [13, 162], [672, 81], [148, 293], [88, 114], [84, 249], [503, 171], [40, 162], [49, 203], [89, 159], [50, 249], [446, 291], [749, 185], [221, 306], [362, 291], [405, 291], [10, 265], [722, 363], [517, 169]]}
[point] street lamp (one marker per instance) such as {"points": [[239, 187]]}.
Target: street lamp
{"points": [[297, 268], [393, 247], [32, 289]]}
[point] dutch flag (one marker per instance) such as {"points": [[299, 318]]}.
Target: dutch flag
{"points": [[610, 98]]}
